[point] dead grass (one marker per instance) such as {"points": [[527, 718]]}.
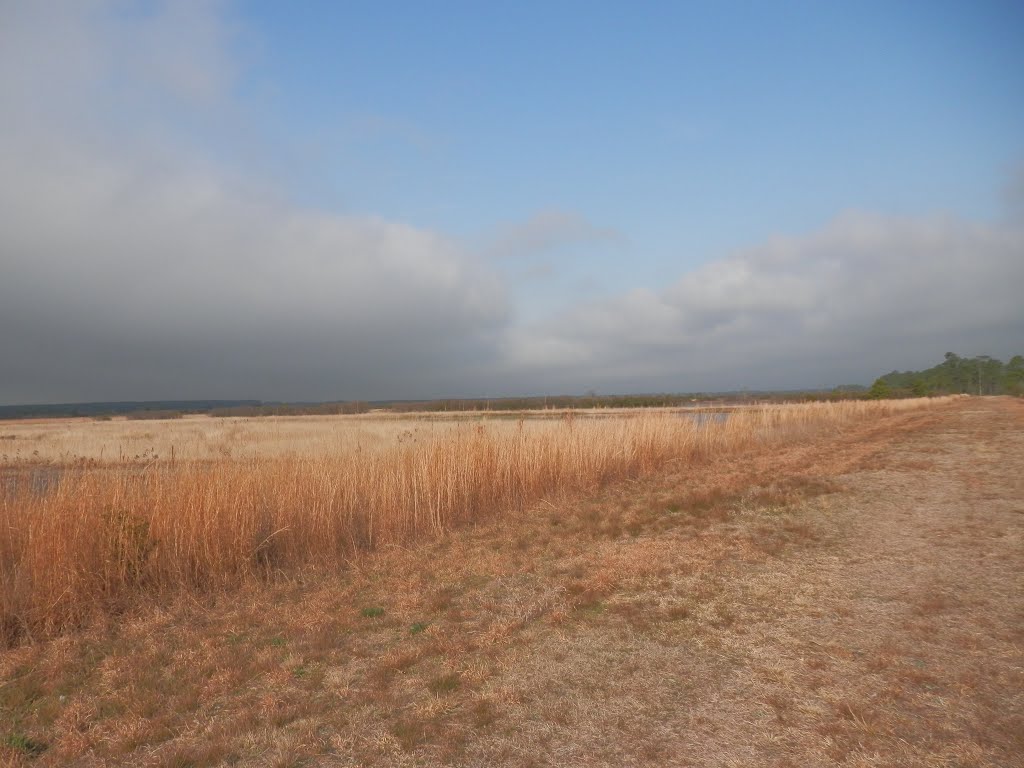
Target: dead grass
{"points": [[768, 608], [115, 443], [92, 539]]}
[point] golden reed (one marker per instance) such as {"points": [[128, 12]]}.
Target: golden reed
{"points": [[98, 537]]}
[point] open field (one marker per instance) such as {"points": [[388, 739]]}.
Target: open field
{"points": [[812, 588], [119, 441], [80, 537]]}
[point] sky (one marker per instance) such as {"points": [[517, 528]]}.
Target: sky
{"points": [[354, 200]]}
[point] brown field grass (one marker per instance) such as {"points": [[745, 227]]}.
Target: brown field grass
{"points": [[119, 441], [92, 537], [844, 594]]}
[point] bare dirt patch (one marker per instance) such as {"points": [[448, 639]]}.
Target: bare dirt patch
{"points": [[855, 600]]}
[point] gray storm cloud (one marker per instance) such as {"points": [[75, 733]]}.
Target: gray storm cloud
{"points": [[177, 285], [132, 266]]}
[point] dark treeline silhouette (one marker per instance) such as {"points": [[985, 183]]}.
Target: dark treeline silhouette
{"points": [[292, 409], [170, 409], [589, 401], [555, 402], [982, 375], [132, 408], [153, 415]]}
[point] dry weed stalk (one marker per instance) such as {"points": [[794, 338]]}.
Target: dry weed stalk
{"points": [[97, 538]]}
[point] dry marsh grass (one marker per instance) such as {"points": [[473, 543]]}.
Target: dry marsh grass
{"points": [[120, 441], [93, 539], [768, 607]]}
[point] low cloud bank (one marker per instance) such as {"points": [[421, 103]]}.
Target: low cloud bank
{"points": [[134, 267], [865, 294]]}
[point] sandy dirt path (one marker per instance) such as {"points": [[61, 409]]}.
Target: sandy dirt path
{"points": [[892, 635]]}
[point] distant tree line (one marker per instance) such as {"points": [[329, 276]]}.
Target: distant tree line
{"points": [[130, 409], [153, 414], [541, 402], [982, 375], [172, 409], [554, 402], [591, 400], [292, 409]]}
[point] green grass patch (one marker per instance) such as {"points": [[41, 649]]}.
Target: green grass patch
{"points": [[23, 743]]}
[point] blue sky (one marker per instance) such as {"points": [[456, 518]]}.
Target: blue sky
{"points": [[575, 195], [464, 115], [690, 128]]}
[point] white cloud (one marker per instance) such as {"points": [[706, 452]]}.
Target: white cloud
{"points": [[865, 292]]}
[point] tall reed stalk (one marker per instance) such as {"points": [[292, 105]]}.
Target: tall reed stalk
{"points": [[100, 537]]}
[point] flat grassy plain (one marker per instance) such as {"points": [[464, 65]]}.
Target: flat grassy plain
{"points": [[806, 585], [120, 441], [81, 533]]}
